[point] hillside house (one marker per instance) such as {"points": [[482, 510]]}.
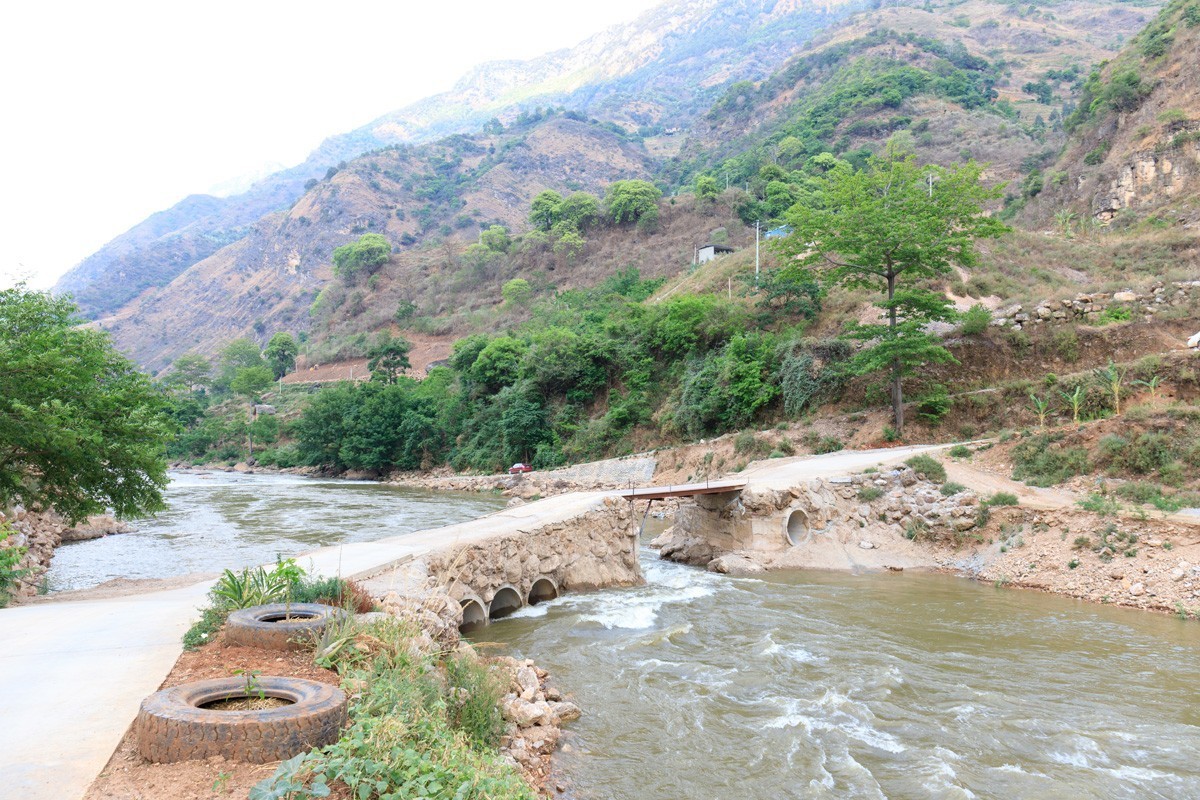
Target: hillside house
{"points": [[707, 252]]}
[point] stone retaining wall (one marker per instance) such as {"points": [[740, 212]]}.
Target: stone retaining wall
{"points": [[817, 522], [41, 533], [1088, 308], [595, 550]]}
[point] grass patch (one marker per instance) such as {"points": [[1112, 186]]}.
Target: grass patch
{"points": [[950, 488], [1003, 499], [928, 466], [1041, 461], [869, 493]]}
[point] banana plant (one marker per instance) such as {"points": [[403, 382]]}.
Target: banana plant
{"points": [[1075, 401], [1041, 406]]}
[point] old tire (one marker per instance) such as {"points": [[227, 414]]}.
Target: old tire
{"points": [[263, 626], [172, 726]]}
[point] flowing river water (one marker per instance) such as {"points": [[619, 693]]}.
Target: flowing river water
{"points": [[797, 685], [828, 685], [216, 520]]}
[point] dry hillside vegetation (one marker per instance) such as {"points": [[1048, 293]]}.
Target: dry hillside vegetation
{"points": [[1136, 156]]}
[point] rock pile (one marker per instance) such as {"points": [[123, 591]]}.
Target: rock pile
{"points": [[535, 712], [40, 533]]}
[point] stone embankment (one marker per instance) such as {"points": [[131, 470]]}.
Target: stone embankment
{"points": [[876, 520], [40, 533], [1151, 564], [1088, 308]]}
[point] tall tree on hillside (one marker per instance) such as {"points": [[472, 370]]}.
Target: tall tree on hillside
{"points": [[190, 370], [81, 430], [388, 358], [891, 227], [281, 354]]}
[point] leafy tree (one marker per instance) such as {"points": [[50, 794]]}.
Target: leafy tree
{"points": [[495, 238], [250, 382], [80, 429], [891, 227], [789, 289], [498, 364], [238, 354], [281, 354], [191, 370], [388, 358], [707, 188], [631, 200], [368, 253], [580, 209], [546, 210], [570, 245], [517, 292]]}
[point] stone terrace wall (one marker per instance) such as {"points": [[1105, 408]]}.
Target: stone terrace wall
{"points": [[1087, 308]]}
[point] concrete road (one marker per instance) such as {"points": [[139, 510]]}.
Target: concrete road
{"points": [[73, 674]]}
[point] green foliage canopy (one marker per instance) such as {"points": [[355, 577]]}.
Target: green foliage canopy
{"points": [[367, 254], [281, 354], [890, 227], [80, 429], [629, 201]]}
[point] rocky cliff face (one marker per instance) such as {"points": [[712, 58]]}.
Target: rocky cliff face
{"points": [[1149, 179], [1135, 151]]}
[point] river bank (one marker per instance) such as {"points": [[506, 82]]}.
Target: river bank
{"points": [[1046, 542]]}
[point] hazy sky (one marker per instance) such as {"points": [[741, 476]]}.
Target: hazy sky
{"points": [[114, 110]]}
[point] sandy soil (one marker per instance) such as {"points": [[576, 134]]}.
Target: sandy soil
{"points": [[128, 777]]}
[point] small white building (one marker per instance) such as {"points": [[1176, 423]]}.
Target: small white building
{"points": [[707, 252]]}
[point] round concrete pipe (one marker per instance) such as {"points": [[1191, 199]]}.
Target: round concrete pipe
{"points": [[474, 615], [797, 527], [504, 602], [543, 589]]}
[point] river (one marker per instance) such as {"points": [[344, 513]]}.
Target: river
{"points": [[216, 520], [798, 685], [827, 685]]}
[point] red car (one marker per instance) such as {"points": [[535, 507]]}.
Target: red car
{"points": [[518, 468]]}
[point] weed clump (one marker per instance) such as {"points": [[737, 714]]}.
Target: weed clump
{"points": [[1039, 461], [928, 466]]}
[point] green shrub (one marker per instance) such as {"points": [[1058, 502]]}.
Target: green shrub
{"points": [[869, 493], [828, 444], [1003, 499], [928, 466], [959, 451], [10, 576], [1066, 344], [975, 320], [1100, 504], [950, 488], [415, 730], [1039, 461]]}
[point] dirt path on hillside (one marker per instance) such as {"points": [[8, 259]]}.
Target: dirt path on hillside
{"points": [[987, 483]]}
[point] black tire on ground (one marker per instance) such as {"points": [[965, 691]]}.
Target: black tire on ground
{"points": [[171, 725], [264, 626]]}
